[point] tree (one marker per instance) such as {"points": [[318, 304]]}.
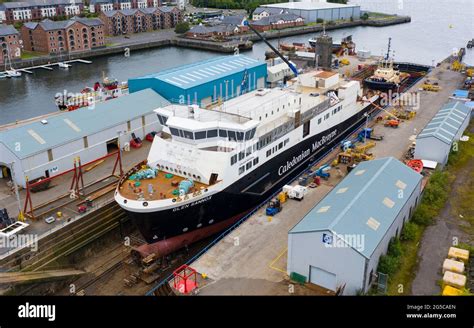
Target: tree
{"points": [[364, 16], [181, 28]]}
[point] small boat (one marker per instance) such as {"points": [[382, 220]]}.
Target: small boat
{"points": [[63, 65], [12, 73], [109, 89]]}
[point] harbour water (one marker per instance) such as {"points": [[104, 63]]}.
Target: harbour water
{"points": [[437, 28]]}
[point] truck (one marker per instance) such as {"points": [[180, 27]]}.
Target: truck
{"points": [[295, 192]]}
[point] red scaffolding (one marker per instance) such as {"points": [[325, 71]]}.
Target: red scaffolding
{"points": [[77, 183]]}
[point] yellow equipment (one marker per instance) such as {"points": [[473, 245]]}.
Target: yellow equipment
{"points": [[457, 66], [364, 147], [344, 61], [470, 72], [430, 87], [451, 291]]}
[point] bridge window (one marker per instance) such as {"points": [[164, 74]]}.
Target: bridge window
{"points": [[212, 133], [162, 119], [248, 151], [241, 155], [232, 136], [240, 136], [200, 135], [174, 132], [248, 165], [241, 169], [222, 133], [233, 160], [188, 135], [255, 161]]}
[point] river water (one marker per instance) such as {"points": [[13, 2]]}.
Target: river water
{"points": [[437, 27]]}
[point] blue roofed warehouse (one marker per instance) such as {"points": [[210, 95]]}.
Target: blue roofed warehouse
{"points": [[205, 82], [49, 147], [435, 141], [337, 245]]}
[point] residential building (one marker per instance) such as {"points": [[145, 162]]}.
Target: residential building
{"points": [[262, 12], [220, 30], [10, 46], [56, 37], [277, 22], [140, 20], [12, 12], [98, 6]]}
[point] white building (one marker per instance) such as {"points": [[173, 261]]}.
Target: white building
{"points": [[37, 149], [337, 245], [311, 11], [435, 141]]}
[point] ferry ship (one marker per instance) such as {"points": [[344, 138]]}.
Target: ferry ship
{"points": [[208, 168]]}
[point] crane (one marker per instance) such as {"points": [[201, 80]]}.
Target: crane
{"points": [[290, 65]]}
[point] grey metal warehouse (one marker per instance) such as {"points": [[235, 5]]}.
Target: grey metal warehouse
{"points": [[312, 11], [435, 141], [337, 245], [48, 148]]}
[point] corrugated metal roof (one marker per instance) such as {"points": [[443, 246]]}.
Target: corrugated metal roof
{"points": [[189, 76], [365, 203], [63, 128], [447, 122]]}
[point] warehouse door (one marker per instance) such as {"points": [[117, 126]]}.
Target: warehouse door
{"points": [[260, 83], [322, 278]]}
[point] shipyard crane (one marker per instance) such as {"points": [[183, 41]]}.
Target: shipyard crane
{"points": [[290, 65]]}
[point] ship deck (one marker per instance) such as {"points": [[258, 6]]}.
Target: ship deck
{"points": [[163, 187]]}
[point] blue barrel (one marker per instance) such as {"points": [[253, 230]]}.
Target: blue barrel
{"points": [[185, 185]]}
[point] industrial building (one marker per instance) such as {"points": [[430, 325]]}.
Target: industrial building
{"points": [[205, 82], [337, 245], [312, 11], [48, 147], [435, 141]]}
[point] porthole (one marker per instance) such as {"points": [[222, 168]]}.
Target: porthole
{"points": [[174, 200], [185, 229], [205, 190], [145, 204], [194, 176], [211, 221], [125, 201], [184, 173]]}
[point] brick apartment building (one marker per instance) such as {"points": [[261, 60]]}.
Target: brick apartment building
{"points": [[12, 12], [98, 6], [76, 34], [9, 43], [140, 20], [277, 22]]}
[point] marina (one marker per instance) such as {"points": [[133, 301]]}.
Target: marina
{"points": [[333, 163]]}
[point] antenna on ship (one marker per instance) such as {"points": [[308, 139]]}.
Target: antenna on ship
{"points": [[387, 56]]}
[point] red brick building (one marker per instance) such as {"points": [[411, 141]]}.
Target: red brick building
{"points": [[10, 47], [129, 21], [76, 34], [12, 12], [277, 22]]}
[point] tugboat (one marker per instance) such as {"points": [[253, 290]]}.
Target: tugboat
{"points": [[109, 89], [386, 77]]}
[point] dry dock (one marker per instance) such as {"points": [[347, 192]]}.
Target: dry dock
{"points": [[251, 260]]}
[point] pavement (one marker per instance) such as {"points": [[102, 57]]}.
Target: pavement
{"points": [[251, 260]]}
